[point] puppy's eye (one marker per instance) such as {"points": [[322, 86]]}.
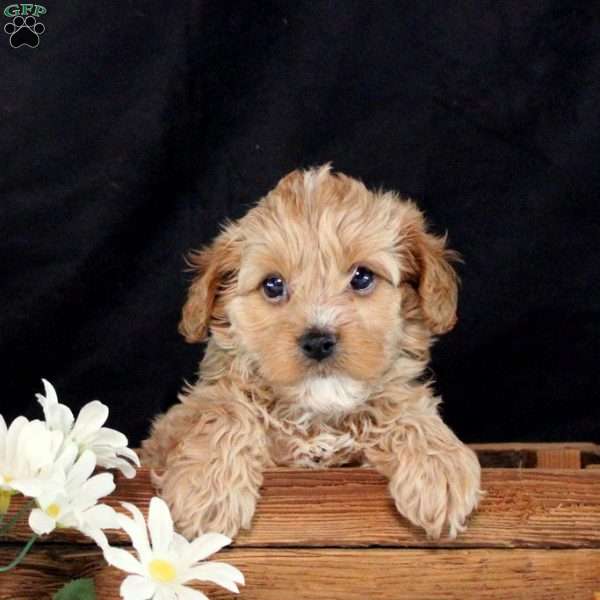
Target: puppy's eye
{"points": [[274, 288], [363, 280]]}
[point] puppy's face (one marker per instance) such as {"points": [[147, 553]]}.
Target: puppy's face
{"points": [[313, 283]]}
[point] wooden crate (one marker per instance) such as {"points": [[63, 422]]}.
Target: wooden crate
{"points": [[335, 534]]}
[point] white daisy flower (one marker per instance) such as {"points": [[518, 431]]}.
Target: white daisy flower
{"points": [[88, 433], [166, 563], [28, 456], [76, 505]]}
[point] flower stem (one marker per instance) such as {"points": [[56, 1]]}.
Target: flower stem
{"points": [[21, 555], [7, 526]]}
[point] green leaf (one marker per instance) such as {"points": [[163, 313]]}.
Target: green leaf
{"points": [[80, 589]]}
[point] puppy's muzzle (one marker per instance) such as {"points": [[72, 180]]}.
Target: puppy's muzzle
{"points": [[317, 344]]}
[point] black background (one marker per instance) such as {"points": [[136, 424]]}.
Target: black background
{"points": [[135, 127]]}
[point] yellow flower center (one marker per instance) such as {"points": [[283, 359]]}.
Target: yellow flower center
{"points": [[53, 511], [5, 497], [7, 478], [162, 570]]}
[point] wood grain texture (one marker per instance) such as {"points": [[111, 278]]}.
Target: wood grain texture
{"points": [[46, 569], [559, 458], [380, 574], [351, 508], [313, 574], [530, 455], [535, 446]]}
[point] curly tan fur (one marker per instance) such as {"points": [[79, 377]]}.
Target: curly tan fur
{"points": [[259, 402]]}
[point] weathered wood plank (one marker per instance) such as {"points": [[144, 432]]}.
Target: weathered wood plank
{"points": [[521, 509], [559, 458], [537, 454], [379, 574], [351, 508], [536, 446], [46, 569], [313, 574]]}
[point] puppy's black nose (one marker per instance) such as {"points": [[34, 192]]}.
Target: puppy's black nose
{"points": [[317, 344]]}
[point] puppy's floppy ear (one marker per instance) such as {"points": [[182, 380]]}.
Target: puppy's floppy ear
{"points": [[432, 273], [216, 269]]}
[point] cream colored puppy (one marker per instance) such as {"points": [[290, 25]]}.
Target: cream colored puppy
{"points": [[319, 307]]}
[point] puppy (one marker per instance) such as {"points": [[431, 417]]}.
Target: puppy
{"points": [[319, 306]]}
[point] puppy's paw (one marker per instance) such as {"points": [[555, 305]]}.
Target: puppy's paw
{"points": [[465, 491], [438, 489], [198, 506]]}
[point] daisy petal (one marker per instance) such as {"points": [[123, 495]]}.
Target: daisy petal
{"points": [[110, 437], [205, 546], [117, 463], [165, 593], [136, 513], [130, 455], [97, 535], [90, 419], [37, 445], [40, 522], [186, 593], [227, 570], [3, 430], [50, 397], [101, 516], [136, 587], [58, 416], [121, 559], [82, 469], [97, 487], [32, 488], [67, 457], [220, 573], [64, 418], [160, 525], [179, 545], [138, 535], [12, 436]]}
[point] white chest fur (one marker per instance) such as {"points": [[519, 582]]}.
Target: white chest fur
{"points": [[330, 396]]}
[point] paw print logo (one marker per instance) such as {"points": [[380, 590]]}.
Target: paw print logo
{"points": [[24, 31]]}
